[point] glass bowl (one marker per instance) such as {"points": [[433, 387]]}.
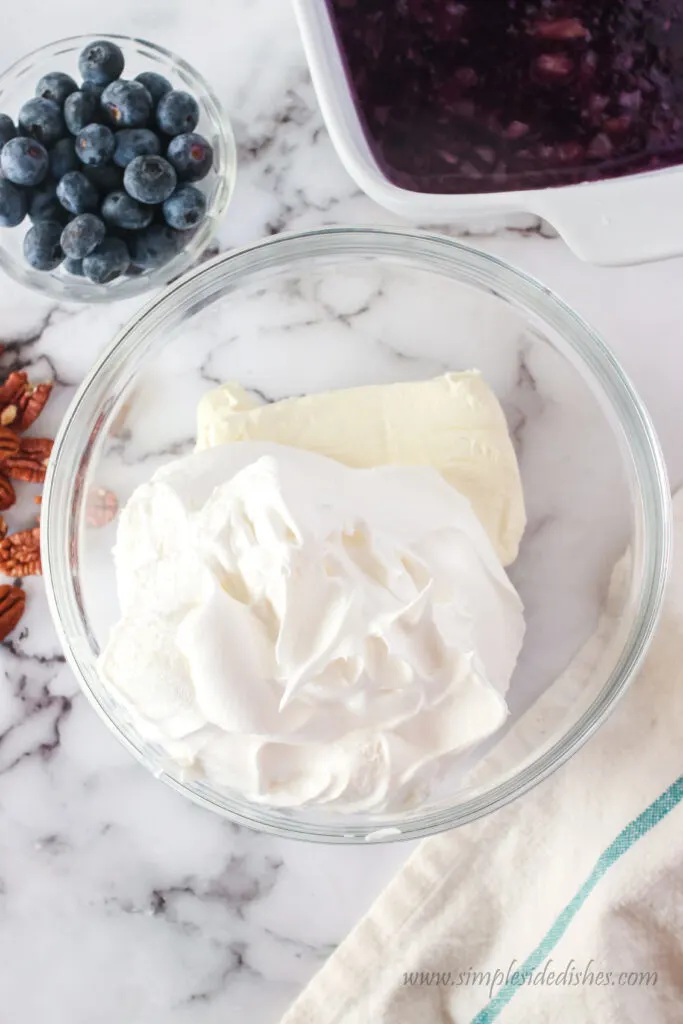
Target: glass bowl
{"points": [[17, 85], [343, 307]]}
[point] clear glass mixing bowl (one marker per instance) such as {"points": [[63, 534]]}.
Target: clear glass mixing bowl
{"points": [[349, 306]]}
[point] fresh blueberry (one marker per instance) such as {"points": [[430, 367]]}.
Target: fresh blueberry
{"points": [[94, 90], [7, 129], [62, 158], [42, 120], [74, 267], [149, 179], [101, 62], [121, 211], [81, 235], [80, 109], [185, 208], [24, 161], [127, 104], [12, 204], [43, 203], [132, 142], [155, 84], [177, 112], [76, 193], [108, 261], [56, 86], [191, 155], [95, 145], [42, 248], [105, 179], [155, 246]]}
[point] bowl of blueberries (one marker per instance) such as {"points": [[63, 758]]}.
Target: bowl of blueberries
{"points": [[116, 165]]}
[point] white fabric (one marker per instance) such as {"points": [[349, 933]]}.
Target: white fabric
{"points": [[486, 896]]}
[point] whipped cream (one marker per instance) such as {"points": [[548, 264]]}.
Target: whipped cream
{"points": [[308, 633]]}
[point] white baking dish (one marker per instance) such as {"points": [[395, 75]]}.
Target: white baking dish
{"points": [[622, 221]]}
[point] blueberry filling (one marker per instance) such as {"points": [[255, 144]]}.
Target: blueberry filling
{"points": [[499, 95]]}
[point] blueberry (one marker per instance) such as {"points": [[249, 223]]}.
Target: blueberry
{"points": [[191, 155], [94, 90], [155, 84], [56, 86], [83, 234], [108, 261], [177, 112], [62, 158], [76, 193], [80, 109], [119, 210], [101, 62], [149, 179], [7, 129], [74, 267], [127, 104], [24, 161], [44, 205], [12, 204], [155, 246], [42, 248], [95, 145], [105, 179], [185, 208], [42, 120], [132, 142]]}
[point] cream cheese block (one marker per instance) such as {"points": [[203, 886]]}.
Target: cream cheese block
{"points": [[454, 423]]}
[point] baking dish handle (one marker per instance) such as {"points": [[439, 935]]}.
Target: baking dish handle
{"points": [[620, 222]]}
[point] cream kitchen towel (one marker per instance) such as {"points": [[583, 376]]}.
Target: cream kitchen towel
{"points": [[564, 907]]}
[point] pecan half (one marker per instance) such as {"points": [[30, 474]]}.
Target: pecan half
{"points": [[30, 462], [14, 387], [7, 495], [3, 528], [101, 507], [21, 402], [12, 605], [31, 404], [20, 553], [9, 442]]}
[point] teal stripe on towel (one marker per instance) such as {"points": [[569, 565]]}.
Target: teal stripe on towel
{"points": [[634, 831]]}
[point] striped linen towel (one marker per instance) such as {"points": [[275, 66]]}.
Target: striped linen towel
{"points": [[565, 907]]}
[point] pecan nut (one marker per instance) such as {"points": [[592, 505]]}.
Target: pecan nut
{"points": [[20, 553], [101, 508], [30, 462], [12, 605], [14, 387], [21, 402], [7, 495], [9, 442], [31, 404]]}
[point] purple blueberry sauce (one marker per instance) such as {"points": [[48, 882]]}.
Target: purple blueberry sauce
{"points": [[499, 95]]}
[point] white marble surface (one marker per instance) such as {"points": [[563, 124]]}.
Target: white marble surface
{"points": [[118, 899]]}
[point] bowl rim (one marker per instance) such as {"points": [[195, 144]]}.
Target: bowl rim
{"points": [[601, 370], [225, 148]]}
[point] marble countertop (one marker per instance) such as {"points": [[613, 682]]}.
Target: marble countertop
{"points": [[119, 900]]}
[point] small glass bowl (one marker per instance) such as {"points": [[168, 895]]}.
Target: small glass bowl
{"points": [[17, 85], [342, 307]]}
